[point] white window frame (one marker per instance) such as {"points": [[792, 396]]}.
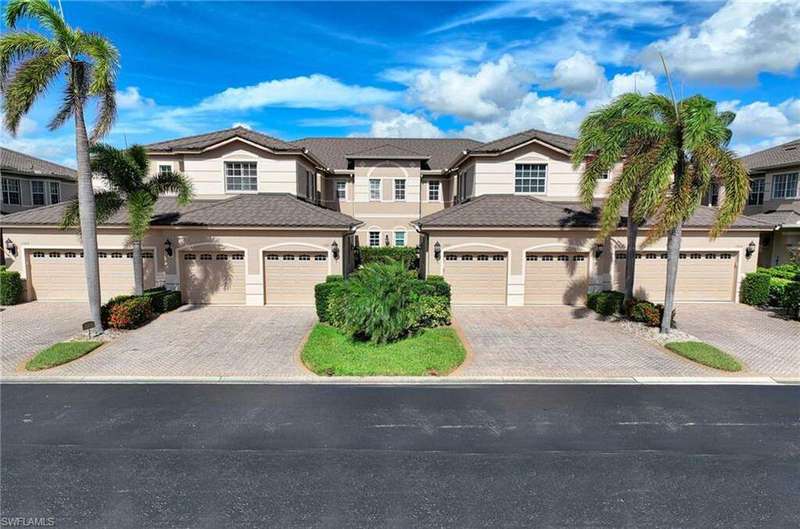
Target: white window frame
{"points": [[43, 193], [7, 191], [786, 187], [438, 191], [403, 233], [161, 168], [243, 162], [336, 189], [369, 239], [760, 193], [394, 189], [57, 187], [546, 178], [370, 190]]}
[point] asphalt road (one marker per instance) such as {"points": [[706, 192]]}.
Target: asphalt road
{"points": [[552, 456]]}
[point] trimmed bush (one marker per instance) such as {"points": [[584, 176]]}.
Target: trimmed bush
{"points": [[646, 312], [408, 255], [439, 287], [607, 302], [791, 299], [755, 289], [336, 308], [322, 292], [105, 310], [434, 311], [790, 271], [131, 313], [777, 287], [10, 287], [165, 300]]}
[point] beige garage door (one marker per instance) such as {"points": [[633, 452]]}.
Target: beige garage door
{"points": [[702, 276], [556, 278], [289, 277], [212, 278], [58, 274], [476, 278]]}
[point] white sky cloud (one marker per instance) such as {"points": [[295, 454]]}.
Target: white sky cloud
{"points": [[578, 75], [641, 82], [131, 99], [394, 124], [759, 125]]}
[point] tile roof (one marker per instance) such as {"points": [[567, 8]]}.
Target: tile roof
{"points": [[524, 211], [17, 162], [783, 215], [269, 210], [779, 156], [334, 151], [201, 141], [387, 151], [562, 142]]}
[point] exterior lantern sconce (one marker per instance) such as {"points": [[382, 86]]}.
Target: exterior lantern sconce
{"points": [[335, 249], [598, 250], [750, 250], [168, 247], [386, 239], [437, 250], [11, 247]]}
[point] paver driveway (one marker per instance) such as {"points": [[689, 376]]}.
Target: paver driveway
{"points": [[27, 328], [560, 342], [204, 341], [766, 343]]}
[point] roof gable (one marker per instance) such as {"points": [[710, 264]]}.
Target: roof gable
{"points": [[388, 151], [209, 140], [18, 162], [786, 154]]}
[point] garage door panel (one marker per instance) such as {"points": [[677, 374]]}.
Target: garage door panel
{"points": [[556, 278], [477, 279], [290, 277], [213, 278]]}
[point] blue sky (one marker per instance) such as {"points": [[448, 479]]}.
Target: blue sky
{"points": [[480, 70]]}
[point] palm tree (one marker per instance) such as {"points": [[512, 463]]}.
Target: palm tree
{"points": [[29, 63], [126, 174], [608, 135]]}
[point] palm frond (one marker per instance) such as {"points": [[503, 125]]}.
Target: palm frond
{"points": [[17, 46], [733, 177], [172, 182], [40, 10], [138, 155], [29, 81], [140, 211], [105, 62], [74, 94], [71, 216], [115, 167]]}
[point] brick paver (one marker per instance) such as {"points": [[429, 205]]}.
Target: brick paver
{"points": [[27, 328], [560, 342], [765, 342]]}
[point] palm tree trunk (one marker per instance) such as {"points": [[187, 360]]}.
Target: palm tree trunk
{"points": [[630, 254], [138, 269], [87, 218], [673, 258]]}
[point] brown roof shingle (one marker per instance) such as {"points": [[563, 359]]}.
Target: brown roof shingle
{"points": [[201, 141], [780, 156], [21, 163], [566, 143]]}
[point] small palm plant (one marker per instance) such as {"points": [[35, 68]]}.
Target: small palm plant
{"points": [[29, 63], [126, 174]]}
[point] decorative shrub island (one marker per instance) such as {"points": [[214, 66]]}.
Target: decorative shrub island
{"points": [[383, 320], [130, 312]]}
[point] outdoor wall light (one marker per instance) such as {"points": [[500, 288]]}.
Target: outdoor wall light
{"points": [[750, 250], [386, 239], [11, 247], [598, 250], [437, 250], [168, 247], [335, 249]]}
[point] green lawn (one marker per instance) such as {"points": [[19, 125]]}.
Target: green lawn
{"points": [[432, 352], [60, 353], [705, 354]]}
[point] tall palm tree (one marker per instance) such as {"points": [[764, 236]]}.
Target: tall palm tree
{"points": [[608, 135], [126, 174], [29, 63]]}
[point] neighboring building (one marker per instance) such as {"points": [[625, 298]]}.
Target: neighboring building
{"points": [[271, 218], [30, 182], [775, 199]]}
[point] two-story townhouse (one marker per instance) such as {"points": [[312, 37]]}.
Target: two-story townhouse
{"points": [[30, 182], [775, 199], [499, 220]]}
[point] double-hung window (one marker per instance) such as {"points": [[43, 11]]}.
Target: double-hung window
{"points": [[55, 192], [400, 189], [784, 185], [341, 189], [434, 191], [374, 238], [164, 170], [374, 189], [11, 191], [530, 178], [241, 177], [756, 197], [37, 193], [399, 238]]}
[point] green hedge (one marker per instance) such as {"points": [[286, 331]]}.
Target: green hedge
{"points": [[755, 289], [607, 302], [408, 255], [10, 287], [161, 300], [791, 299], [788, 271], [131, 313], [322, 293]]}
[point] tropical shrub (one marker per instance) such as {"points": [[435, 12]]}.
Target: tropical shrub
{"points": [[408, 255], [790, 271], [105, 310], [10, 286], [322, 292], [646, 312], [777, 287], [165, 300], [336, 308], [755, 289], [131, 313], [607, 302], [791, 299], [434, 311], [439, 287]]}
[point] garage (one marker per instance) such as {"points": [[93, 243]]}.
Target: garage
{"points": [[477, 278], [702, 275], [289, 277], [556, 278], [59, 275], [213, 277]]}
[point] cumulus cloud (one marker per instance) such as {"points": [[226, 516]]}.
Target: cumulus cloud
{"points": [[735, 44], [642, 82], [131, 99], [242, 124], [759, 124], [578, 75], [394, 124]]}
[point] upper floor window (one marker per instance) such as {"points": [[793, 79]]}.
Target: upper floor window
{"points": [[605, 175], [400, 189], [784, 185], [341, 189], [756, 197], [374, 238], [434, 191], [55, 193], [399, 238], [241, 177], [164, 169], [374, 189], [11, 191], [530, 178], [37, 193]]}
